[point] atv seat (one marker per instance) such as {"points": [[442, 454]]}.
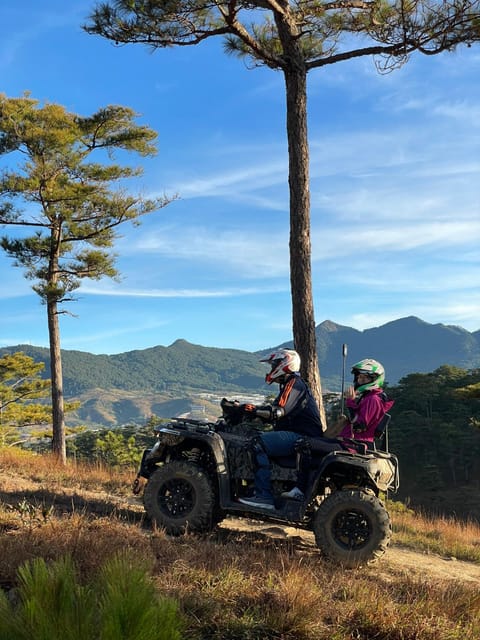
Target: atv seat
{"points": [[323, 446], [317, 448]]}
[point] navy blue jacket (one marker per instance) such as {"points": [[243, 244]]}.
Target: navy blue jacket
{"points": [[301, 413]]}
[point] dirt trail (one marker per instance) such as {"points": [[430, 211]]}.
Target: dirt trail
{"points": [[396, 561], [401, 559]]}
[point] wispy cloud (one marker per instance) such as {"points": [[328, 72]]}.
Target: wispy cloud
{"points": [[463, 111], [93, 337], [392, 158], [246, 179], [264, 254], [253, 255], [13, 285], [440, 311], [395, 238], [177, 293]]}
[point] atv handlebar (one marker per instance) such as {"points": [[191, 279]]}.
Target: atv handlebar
{"points": [[234, 413]]}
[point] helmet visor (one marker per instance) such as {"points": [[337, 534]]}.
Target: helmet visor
{"points": [[275, 371]]}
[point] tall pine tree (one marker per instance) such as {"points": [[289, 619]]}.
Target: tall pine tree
{"points": [[294, 37], [73, 205]]}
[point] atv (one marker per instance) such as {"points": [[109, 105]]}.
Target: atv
{"points": [[196, 472]]}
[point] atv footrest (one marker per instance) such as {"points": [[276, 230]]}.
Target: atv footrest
{"points": [[291, 510]]}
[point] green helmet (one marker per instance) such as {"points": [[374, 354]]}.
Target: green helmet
{"points": [[371, 368]]}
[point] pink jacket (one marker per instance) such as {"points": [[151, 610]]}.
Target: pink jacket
{"points": [[366, 412]]}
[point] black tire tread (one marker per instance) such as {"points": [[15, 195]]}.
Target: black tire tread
{"points": [[202, 515], [359, 501]]}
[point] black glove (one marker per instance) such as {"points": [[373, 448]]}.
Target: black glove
{"points": [[232, 411], [249, 410]]}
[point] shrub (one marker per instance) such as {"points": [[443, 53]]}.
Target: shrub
{"points": [[119, 604]]}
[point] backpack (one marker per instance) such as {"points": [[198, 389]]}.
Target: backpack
{"points": [[381, 427]]}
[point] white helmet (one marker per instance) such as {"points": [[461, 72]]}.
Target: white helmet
{"points": [[283, 362]]}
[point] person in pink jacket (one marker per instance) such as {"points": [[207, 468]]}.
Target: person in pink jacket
{"points": [[366, 402], [367, 405]]}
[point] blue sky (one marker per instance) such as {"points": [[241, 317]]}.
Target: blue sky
{"points": [[395, 186]]}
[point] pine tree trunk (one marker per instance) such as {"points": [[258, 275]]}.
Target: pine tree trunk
{"points": [[58, 414], [303, 316]]}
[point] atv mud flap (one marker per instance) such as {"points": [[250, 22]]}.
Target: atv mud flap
{"points": [[148, 462]]}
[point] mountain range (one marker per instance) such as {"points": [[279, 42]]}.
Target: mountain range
{"points": [[118, 388]]}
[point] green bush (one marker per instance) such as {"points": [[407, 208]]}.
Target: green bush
{"points": [[117, 450], [130, 608], [120, 604]]}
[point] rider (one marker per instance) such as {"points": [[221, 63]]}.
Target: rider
{"points": [[294, 413], [367, 406], [366, 402]]}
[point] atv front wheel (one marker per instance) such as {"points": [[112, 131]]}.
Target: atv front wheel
{"points": [[179, 496], [352, 528]]}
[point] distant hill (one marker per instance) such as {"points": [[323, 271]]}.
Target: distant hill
{"points": [[404, 346], [132, 385], [180, 367]]}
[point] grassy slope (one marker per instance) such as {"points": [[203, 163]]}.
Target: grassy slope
{"points": [[239, 582]]}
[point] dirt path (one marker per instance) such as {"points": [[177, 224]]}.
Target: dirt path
{"points": [[396, 561], [401, 559]]}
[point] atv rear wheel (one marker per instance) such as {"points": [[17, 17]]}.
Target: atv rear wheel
{"points": [[179, 496], [352, 528]]}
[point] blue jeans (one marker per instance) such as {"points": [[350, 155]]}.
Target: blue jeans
{"points": [[273, 444]]}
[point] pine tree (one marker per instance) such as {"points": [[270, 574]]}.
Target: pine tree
{"points": [[295, 37], [21, 383], [73, 207]]}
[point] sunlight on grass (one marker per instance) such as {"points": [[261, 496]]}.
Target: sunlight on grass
{"points": [[47, 470], [447, 537], [236, 585]]}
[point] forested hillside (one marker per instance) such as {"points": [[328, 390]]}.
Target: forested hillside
{"points": [[130, 387], [181, 367], [404, 346], [435, 432]]}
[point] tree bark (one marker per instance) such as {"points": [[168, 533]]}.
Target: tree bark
{"points": [[58, 413], [59, 448], [304, 337]]}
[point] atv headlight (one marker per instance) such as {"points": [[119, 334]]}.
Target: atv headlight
{"points": [[169, 437]]}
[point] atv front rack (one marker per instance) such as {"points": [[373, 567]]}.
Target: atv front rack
{"points": [[187, 424]]}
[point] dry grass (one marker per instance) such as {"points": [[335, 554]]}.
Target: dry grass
{"points": [[45, 469], [234, 585], [447, 537]]}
